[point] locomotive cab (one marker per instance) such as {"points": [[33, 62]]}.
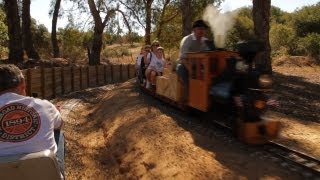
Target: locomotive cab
{"points": [[206, 69]]}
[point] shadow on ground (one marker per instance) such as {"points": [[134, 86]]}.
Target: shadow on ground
{"points": [[298, 98], [117, 120]]}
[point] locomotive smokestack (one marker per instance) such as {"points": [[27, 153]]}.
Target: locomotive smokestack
{"points": [[220, 24]]}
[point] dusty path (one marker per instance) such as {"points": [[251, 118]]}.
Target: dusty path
{"points": [[115, 132]]}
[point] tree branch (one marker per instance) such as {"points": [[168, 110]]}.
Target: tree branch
{"points": [[134, 14]]}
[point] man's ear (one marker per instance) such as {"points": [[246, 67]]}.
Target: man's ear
{"points": [[22, 88]]}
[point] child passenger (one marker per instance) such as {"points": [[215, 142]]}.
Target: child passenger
{"points": [[156, 66]]}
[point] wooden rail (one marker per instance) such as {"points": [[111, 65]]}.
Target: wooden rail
{"points": [[48, 83]]}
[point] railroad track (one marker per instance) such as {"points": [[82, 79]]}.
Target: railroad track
{"points": [[310, 164], [295, 160]]}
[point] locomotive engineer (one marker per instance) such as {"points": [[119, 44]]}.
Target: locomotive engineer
{"points": [[193, 42], [27, 124]]}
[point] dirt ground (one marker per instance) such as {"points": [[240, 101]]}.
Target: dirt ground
{"points": [[117, 132]]}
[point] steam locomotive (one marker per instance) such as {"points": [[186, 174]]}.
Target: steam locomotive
{"points": [[223, 78]]}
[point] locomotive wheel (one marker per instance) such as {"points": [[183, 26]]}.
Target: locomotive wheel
{"points": [[234, 123]]}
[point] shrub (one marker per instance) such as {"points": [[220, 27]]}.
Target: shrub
{"points": [[310, 45], [282, 39]]}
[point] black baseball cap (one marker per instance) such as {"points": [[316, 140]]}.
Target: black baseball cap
{"points": [[200, 23]]}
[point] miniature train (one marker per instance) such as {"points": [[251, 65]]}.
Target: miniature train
{"points": [[216, 79]]}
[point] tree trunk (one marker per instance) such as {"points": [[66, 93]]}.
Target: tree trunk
{"points": [[147, 37], [161, 21], [54, 41], [27, 34], [186, 17], [261, 19], [94, 55], [14, 31]]}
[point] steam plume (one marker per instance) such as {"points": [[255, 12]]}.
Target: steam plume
{"points": [[220, 24]]}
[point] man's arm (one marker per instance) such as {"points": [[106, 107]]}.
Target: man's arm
{"points": [[184, 49], [57, 119]]}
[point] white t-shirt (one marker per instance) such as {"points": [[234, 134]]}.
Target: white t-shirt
{"points": [[156, 63], [27, 124]]}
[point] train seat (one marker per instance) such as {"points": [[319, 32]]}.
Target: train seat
{"points": [[33, 166]]}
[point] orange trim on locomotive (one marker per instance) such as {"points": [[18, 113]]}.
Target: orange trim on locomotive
{"points": [[203, 68]]}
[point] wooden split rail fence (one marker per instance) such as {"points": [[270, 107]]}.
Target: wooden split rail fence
{"points": [[48, 83]]}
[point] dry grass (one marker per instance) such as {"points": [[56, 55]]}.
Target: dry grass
{"points": [[294, 61]]}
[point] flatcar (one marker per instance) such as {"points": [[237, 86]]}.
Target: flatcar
{"points": [[224, 78]]}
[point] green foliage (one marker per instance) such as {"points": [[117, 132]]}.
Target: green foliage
{"points": [[3, 34], [116, 52], [310, 45], [72, 45], [307, 20], [294, 33], [198, 7], [133, 37], [245, 12], [171, 32], [277, 15], [282, 39], [110, 38], [242, 30], [41, 39]]}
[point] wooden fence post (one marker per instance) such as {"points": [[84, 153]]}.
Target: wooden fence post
{"points": [[97, 75], [72, 79], [88, 74], [29, 82], [62, 81], [81, 84], [111, 73], [54, 94], [128, 72], [121, 78], [43, 83]]}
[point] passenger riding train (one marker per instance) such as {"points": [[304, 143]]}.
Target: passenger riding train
{"points": [[229, 79]]}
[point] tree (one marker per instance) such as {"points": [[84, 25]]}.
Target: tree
{"points": [[163, 17], [307, 20], [94, 52], [242, 30], [282, 39], [192, 10], [3, 33], [261, 17], [54, 39], [310, 45], [14, 30], [186, 17], [140, 11], [26, 31], [41, 39]]}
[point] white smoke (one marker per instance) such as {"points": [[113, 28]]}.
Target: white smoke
{"points": [[220, 23]]}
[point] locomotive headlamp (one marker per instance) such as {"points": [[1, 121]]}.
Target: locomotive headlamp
{"points": [[241, 66], [259, 104], [265, 81]]}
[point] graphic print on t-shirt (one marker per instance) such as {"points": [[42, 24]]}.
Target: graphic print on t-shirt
{"points": [[18, 122]]}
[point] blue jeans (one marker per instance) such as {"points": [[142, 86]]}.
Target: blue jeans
{"points": [[183, 74], [59, 138]]}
